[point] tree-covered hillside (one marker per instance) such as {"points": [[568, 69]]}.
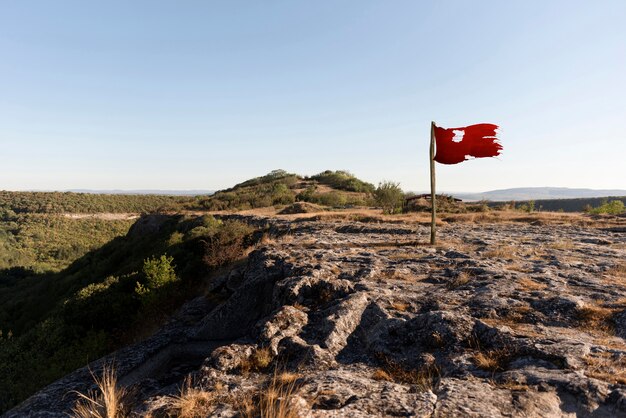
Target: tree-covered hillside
{"points": [[68, 202], [54, 322], [329, 188]]}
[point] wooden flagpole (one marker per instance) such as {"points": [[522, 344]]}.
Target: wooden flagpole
{"points": [[433, 199]]}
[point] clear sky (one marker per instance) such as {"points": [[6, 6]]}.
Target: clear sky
{"points": [[203, 94]]}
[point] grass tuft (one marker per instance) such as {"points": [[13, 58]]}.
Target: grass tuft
{"points": [[596, 318], [259, 360], [459, 280], [193, 402], [425, 379], [275, 400], [108, 401]]}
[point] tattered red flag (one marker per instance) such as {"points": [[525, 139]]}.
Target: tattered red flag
{"points": [[455, 145]]}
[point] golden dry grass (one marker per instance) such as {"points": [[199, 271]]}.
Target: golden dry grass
{"points": [[516, 315], [274, 400], [108, 401], [503, 251], [519, 267], [423, 218], [529, 285], [595, 318], [258, 361], [287, 377], [491, 360], [615, 275], [618, 270], [459, 280], [400, 306], [395, 275], [603, 366], [380, 374], [193, 402], [425, 379], [405, 256]]}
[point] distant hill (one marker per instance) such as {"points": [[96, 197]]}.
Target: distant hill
{"points": [[147, 191], [536, 193], [328, 188]]}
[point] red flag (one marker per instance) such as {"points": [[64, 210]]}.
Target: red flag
{"points": [[455, 145]]}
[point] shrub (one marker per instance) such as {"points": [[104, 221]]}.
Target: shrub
{"points": [[343, 180], [227, 244], [389, 196], [614, 207], [158, 273]]}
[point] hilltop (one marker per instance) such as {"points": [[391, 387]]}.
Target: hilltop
{"points": [[85, 276], [357, 317], [329, 188]]}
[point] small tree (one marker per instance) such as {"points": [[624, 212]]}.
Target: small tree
{"points": [[158, 272], [389, 196]]}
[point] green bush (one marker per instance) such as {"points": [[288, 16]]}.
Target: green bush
{"points": [[158, 273], [343, 180], [614, 207], [389, 196]]}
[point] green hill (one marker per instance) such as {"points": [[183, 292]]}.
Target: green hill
{"points": [[53, 322], [329, 188]]}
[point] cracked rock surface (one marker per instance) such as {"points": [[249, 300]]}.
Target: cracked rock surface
{"points": [[364, 319]]}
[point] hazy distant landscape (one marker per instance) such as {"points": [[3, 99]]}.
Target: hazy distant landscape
{"points": [[537, 193]]}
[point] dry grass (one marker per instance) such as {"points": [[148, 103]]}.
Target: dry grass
{"points": [[519, 267], [616, 275], [287, 377], [400, 306], [512, 320], [459, 280], [405, 256], [423, 218], [395, 275], [510, 384], [561, 245], [492, 360], [618, 270], [193, 402], [300, 307], [516, 315], [595, 318], [604, 366], [259, 360], [108, 401], [275, 400], [503, 251], [528, 284], [425, 379], [380, 374]]}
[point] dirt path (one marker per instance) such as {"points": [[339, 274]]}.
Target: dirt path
{"points": [[104, 216]]}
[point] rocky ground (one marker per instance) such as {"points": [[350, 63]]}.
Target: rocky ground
{"points": [[353, 319]]}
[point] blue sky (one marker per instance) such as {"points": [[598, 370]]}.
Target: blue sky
{"points": [[205, 94]]}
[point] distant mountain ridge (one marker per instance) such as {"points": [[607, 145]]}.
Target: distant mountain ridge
{"points": [[536, 193]]}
